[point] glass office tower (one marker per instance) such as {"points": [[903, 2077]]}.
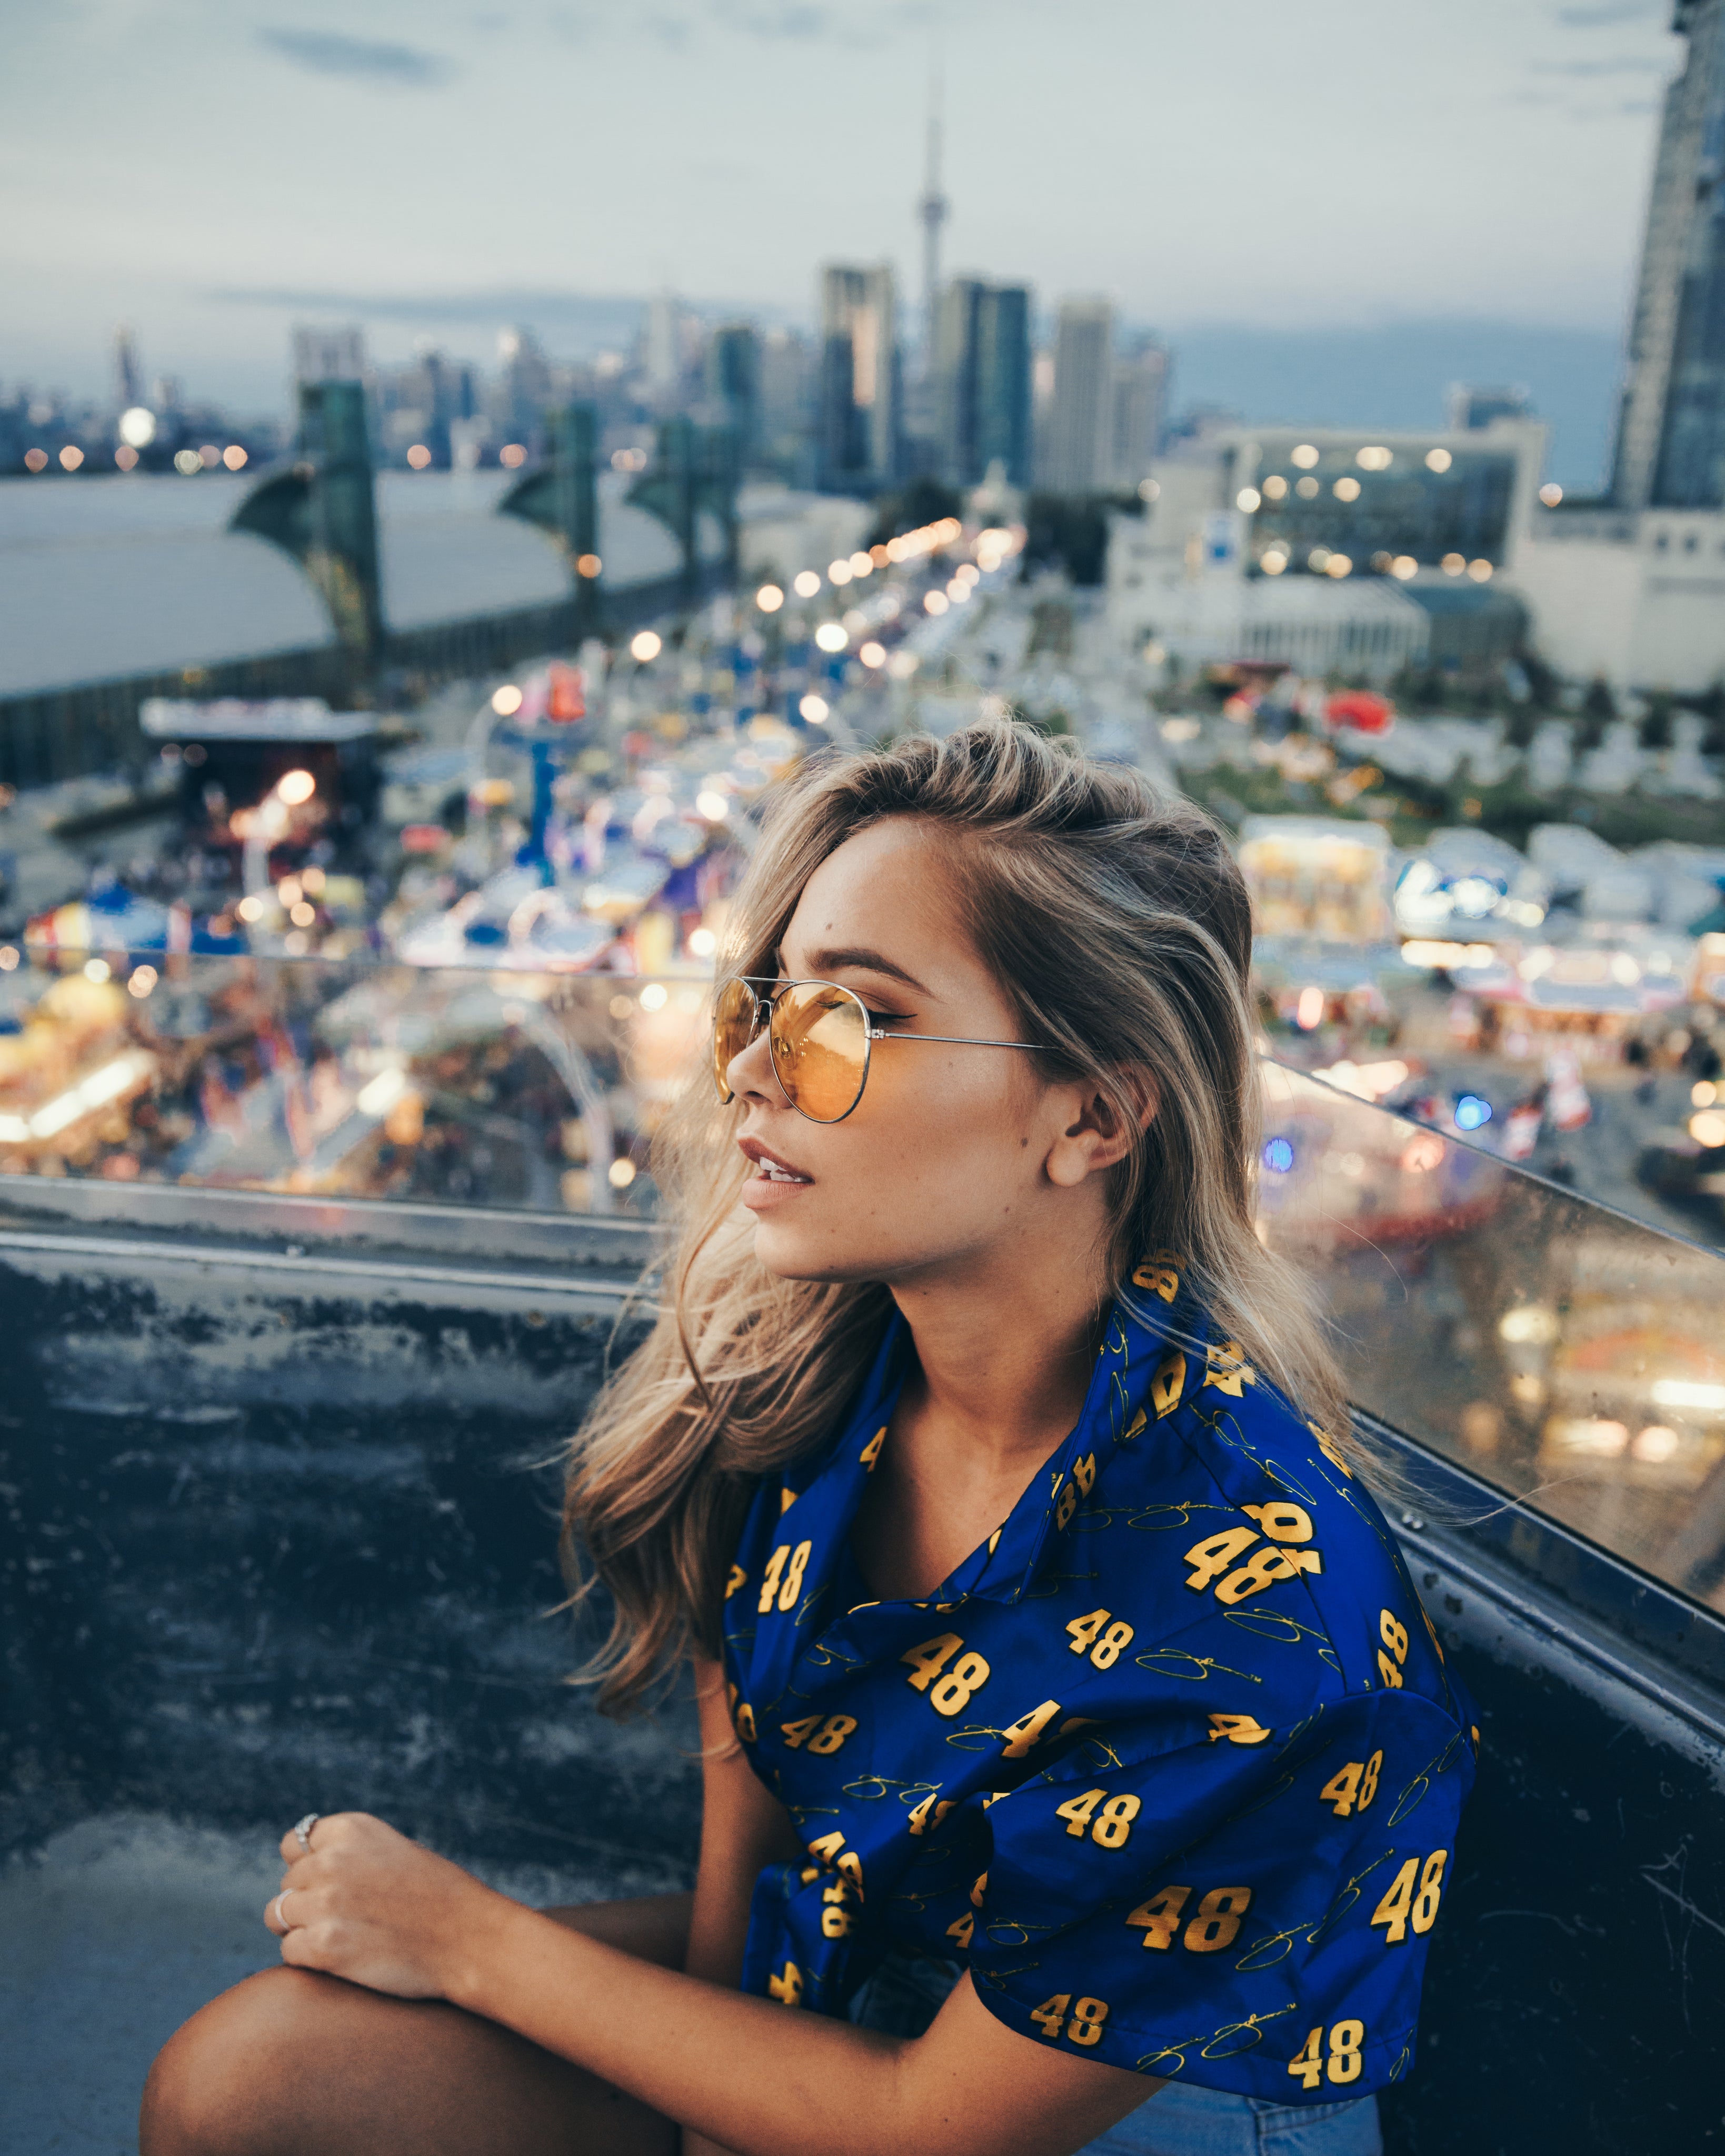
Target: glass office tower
{"points": [[1670, 444]]}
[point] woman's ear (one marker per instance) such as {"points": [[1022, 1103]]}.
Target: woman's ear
{"points": [[1140, 1086], [1101, 1128]]}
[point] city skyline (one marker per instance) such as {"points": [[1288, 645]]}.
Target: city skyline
{"points": [[418, 178]]}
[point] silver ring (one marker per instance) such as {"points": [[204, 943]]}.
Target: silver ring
{"points": [[279, 1899], [302, 1829]]}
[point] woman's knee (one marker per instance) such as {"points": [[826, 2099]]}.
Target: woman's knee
{"points": [[290, 2063], [212, 2088]]}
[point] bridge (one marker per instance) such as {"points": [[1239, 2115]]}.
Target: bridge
{"points": [[324, 578]]}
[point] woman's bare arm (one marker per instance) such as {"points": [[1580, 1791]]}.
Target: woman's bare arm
{"points": [[739, 2074], [743, 1826], [754, 2076]]}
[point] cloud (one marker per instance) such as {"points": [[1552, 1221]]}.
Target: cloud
{"points": [[360, 59], [785, 21], [680, 24], [671, 30], [1637, 64], [1601, 15], [1573, 108], [505, 303], [677, 24]]}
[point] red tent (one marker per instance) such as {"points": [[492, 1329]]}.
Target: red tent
{"points": [[1367, 713]]}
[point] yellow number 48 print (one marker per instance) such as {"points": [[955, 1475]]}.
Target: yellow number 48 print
{"points": [[1344, 2063], [1402, 1906], [792, 1586], [1085, 2025], [1215, 1924], [1220, 1561], [1394, 1635], [1108, 1830], [927, 1661], [822, 1734], [1103, 1647], [1351, 1788]]}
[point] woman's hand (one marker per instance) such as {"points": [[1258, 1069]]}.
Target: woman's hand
{"points": [[366, 1904]]}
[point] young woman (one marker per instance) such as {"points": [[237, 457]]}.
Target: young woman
{"points": [[1072, 1730]]}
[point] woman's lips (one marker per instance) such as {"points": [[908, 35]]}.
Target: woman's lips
{"points": [[769, 1168]]}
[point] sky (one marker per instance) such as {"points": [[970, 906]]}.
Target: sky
{"points": [[1339, 178]]}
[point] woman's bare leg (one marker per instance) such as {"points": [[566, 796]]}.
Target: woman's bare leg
{"points": [[291, 2063]]}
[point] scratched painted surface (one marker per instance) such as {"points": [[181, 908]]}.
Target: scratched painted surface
{"points": [[1571, 1995], [268, 1550]]}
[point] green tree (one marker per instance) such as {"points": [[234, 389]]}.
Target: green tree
{"points": [[1520, 726], [1069, 531], [1710, 705], [1599, 708]]}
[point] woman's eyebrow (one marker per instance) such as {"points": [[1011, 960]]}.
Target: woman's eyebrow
{"points": [[860, 961]]}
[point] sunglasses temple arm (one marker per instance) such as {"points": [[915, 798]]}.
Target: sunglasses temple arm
{"points": [[960, 1040]]}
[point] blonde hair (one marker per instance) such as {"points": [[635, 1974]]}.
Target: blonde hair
{"points": [[1119, 928]]}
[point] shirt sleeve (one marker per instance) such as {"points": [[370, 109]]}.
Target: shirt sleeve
{"points": [[1242, 1909]]}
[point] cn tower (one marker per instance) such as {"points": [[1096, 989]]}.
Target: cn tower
{"points": [[932, 209]]}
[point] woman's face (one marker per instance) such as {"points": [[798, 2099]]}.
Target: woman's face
{"points": [[954, 1155]]}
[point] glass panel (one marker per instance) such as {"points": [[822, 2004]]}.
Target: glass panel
{"points": [[1564, 1352], [448, 1086], [1592, 1059]]}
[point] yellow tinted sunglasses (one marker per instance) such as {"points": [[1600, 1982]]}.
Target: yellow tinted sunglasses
{"points": [[819, 1036]]}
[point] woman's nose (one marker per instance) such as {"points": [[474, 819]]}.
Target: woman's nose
{"points": [[749, 1074]]}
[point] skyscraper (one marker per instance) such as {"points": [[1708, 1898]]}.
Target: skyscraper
{"points": [[859, 425], [1003, 382], [1078, 453], [982, 374], [1473, 405], [1140, 388], [787, 386], [733, 382], [952, 359], [1671, 439], [661, 344], [521, 391], [128, 375]]}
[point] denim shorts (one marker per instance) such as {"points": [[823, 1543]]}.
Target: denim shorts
{"points": [[905, 1994]]}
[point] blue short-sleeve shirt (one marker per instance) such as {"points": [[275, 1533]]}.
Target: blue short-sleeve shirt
{"points": [[1172, 1763]]}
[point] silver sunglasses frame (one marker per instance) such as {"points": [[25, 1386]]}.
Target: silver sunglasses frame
{"points": [[871, 1034]]}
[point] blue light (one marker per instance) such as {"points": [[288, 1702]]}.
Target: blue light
{"points": [[1278, 1155], [1471, 1112]]}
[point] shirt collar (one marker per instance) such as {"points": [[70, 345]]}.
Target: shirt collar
{"points": [[1154, 1307]]}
